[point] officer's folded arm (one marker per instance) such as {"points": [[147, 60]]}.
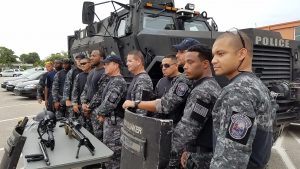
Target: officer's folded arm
{"points": [[144, 105]]}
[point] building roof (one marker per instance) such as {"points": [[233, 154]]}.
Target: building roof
{"points": [[291, 24]]}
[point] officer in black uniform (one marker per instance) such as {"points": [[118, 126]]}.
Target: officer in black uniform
{"points": [[68, 87], [169, 68], [58, 87], [79, 83], [90, 89]]}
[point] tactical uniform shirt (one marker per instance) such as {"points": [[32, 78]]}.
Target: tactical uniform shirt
{"points": [[243, 119], [48, 84], [194, 130], [91, 86], [58, 85], [172, 103], [78, 87], [41, 86], [94, 103], [140, 88], [97, 97], [162, 87], [68, 88], [112, 94]]}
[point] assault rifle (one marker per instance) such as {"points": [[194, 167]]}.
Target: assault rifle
{"points": [[72, 129]]}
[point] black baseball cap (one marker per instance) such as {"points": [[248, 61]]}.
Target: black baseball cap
{"points": [[113, 58], [80, 56], [67, 61], [186, 44]]}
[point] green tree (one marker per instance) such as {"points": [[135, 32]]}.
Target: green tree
{"points": [[56, 56], [7, 56], [30, 58]]}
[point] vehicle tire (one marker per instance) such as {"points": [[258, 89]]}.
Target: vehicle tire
{"points": [[14, 75], [0, 75]]}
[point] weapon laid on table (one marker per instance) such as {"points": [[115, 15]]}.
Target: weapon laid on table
{"points": [[14, 146], [37, 157], [72, 129]]}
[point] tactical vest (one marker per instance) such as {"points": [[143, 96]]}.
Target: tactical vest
{"points": [[204, 139]]}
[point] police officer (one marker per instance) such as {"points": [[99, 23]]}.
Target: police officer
{"points": [[58, 87], [79, 83], [243, 114], [91, 87], [169, 68], [49, 81], [182, 49], [110, 111], [141, 86], [40, 88], [172, 102], [68, 87], [193, 133]]}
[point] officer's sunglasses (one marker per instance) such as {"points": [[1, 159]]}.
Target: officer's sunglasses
{"points": [[166, 65], [84, 63], [235, 31]]}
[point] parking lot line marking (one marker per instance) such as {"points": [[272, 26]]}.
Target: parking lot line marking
{"points": [[281, 151], [1, 149], [17, 105], [295, 137], [17, 118]]}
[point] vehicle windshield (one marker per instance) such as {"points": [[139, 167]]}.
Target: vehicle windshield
{"points": [[28, 72], [158, 23], [35, 75], [195, 26]]}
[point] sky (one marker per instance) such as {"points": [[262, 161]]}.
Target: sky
{"points": [[42, 26]]}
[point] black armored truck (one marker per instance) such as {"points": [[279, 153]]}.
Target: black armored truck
{"points": [[153, 26]]}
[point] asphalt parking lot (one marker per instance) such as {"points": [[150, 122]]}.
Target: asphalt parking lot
{"points": [[285, 152]]}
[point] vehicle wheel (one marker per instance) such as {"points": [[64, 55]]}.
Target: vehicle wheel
{"points": [[0, 75], [14, 75]]}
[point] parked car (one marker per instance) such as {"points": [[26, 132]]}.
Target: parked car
{"points": [[35, 76], [27, 89], [24, 75], [9, 73]]}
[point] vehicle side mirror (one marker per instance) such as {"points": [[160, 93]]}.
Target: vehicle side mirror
{"points": [[88, 11], [90, 31]]}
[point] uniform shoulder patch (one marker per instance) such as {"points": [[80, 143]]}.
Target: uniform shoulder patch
{"points": [[113, 97], [239, 127], [181, 89]]}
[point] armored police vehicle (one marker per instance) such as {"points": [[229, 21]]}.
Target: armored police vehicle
{"points": [[153, 26]]}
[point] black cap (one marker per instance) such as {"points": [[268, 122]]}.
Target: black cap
{"points": [[186, 44], [67, 61], [113, 58], [80, 56]]}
